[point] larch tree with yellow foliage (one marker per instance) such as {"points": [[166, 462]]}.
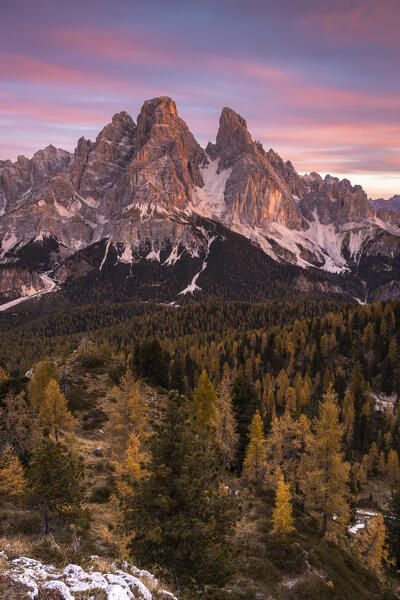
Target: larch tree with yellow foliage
{"points": [[285, 447], [282, 517], [12, 478], [43, 373], [130, 469], [370, 546], [127, 427], [128, 413], [393, 468], [225, 422], [204, 403], [326, 474], [53, 412], [254, 462], [4, 376]]}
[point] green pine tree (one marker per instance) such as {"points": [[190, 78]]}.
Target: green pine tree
{"points": [[55, 483], [181, 515]]}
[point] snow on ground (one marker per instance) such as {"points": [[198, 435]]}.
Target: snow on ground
{"points": [[208, 201], [173, 257], [126, 256], [192, 287], [362, 519], [105, 254], [153, 255], [49, 286], [126, 583], [9, 241], [384, 402]]}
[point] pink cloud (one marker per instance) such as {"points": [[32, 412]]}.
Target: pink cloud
{"points": [[363, 20]]}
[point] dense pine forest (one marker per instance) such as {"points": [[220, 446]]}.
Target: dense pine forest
{"points": [[237, 450]]}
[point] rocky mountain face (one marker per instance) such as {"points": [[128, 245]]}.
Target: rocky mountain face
{"points": [[381, 204], [147, 193]]}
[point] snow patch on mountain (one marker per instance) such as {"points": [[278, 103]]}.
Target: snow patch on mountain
{"points": [[9, 241], [208, 201], [153, 255], [192, 287], [174, 256], [105, 254]]}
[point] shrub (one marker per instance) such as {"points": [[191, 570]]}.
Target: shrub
{"points": [[100, 495], [94, 419], [92, 362], [117, 373]]}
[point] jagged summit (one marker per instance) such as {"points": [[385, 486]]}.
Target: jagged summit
{"points": [[148, 191]]}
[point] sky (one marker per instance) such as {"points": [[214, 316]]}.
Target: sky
{"points": [[318, 81]]}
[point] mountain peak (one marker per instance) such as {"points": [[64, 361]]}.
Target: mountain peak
{"points": [[232, 138], [121, 119], [161, 105]]}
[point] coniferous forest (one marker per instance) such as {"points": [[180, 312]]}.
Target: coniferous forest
{"points": [[235, 450]]}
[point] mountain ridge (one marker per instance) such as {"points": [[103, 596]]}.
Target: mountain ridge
{"points": [[148, 189]]}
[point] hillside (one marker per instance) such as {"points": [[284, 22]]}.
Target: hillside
{"points": [[283, 360]]}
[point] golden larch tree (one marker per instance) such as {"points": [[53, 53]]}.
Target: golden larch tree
{"points": [[370, 546], [12, 479], [204, 402], [326, 474], [254, 462], [42, 374], [285, 446], [127, 414], [282, 517], [53, 412], [393, 468], [225, 422]]}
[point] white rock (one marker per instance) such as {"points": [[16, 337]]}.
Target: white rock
{"points": [[168, 594], [28, 581], [60, 587], [116, 592], [135, 585], [118, 580]]}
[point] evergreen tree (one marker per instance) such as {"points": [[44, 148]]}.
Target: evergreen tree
{"points": [[373, 459], [393, 526], [282, 513], [54, 411], [245, 402], [177, 376], [151, 362], [19, 425], [180, 515], [55, 483]]}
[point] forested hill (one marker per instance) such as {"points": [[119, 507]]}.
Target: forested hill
{"points": [[268, 435]]}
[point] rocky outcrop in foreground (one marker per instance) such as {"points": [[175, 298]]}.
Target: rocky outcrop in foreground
{"points": [[34, 580]]}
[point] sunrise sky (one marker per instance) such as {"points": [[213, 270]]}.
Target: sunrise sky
{"points": [[318, 81]]}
